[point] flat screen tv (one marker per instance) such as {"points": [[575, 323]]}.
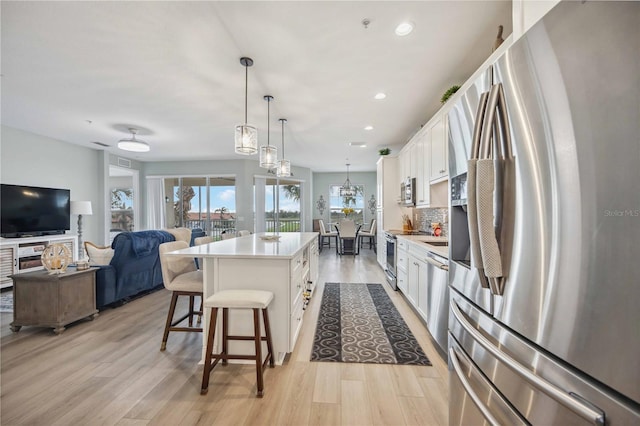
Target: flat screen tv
{"points": [[33, 211]]}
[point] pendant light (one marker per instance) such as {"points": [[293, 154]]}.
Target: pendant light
{"points": [[246, 135], [347, 190], [284, 166], [133, 144], [268, 153]]}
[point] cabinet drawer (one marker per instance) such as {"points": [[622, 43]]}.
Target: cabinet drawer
{"points": [[296, 265], [403, 260], [295, 323], [403, 244], [297, 286]]}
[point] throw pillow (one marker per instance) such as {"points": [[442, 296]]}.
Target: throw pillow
{"points": [[98, 255]]}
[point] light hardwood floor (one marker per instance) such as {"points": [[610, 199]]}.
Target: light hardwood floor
{"points": [[111, 371]]}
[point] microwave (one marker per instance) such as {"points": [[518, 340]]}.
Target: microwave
{"points": [[408, 192]]}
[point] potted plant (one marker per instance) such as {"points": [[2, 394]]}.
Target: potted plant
{"points": [[450, 91], [384, 151]]}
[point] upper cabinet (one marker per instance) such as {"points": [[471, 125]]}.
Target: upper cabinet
{"points": [[423, 165], [439, 163]]}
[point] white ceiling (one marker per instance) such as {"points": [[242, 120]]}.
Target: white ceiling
{"points": [[86, 71]]}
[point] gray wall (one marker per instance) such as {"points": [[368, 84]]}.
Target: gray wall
{"points": [[30, 159], [322, 182]]}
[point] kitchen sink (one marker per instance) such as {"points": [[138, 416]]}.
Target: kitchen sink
{"points": [[437, 243]]}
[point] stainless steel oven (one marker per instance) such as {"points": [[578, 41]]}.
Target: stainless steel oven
{"points": [[391, 241]]}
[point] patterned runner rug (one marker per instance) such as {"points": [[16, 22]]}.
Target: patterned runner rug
{"points": [[359, 323]]}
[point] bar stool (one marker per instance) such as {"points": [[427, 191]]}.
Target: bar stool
{"points": [[238, 299]]}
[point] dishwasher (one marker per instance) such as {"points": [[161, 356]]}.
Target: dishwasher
{"points": [[438, 298]]}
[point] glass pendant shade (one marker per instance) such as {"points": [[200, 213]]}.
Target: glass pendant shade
{"points": [[268, 153], [268, 156], [246, 139], [246, 136], [284, 168]]}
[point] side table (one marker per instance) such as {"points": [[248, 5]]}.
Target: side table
{"points": [[44, 300]]}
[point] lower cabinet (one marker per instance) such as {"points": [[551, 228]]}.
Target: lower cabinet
{"points": [[402, 281], [413, 287]]}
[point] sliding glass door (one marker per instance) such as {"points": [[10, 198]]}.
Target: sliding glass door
{"points": [[206, 203], [277, 205]]}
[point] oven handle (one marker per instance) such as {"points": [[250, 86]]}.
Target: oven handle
{"points": [[566, 399]]}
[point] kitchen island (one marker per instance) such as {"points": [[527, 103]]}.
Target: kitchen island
{"points": [[288, 267]]}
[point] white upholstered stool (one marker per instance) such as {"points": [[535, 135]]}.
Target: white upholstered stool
{"points": [[238, 299]]}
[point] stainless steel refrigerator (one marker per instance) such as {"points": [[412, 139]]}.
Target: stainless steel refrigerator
{"points": [[544, 159]]}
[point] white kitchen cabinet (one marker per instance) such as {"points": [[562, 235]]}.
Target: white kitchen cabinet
{"points": [[415, 158], [414, 273], [402, 265], [388, 187], [402, 281], [424, 169], [389, 213], [381, 246], [439, 162]]}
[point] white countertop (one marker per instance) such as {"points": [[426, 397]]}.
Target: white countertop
{"points": [[251, 246], [425, 240]]}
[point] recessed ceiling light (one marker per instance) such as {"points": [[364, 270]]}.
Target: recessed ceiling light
{"points": [[369, 128], [360, 144], [380, 96], [404, 29]]}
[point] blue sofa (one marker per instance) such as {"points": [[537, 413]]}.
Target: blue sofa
{"points": [[134, 268]]}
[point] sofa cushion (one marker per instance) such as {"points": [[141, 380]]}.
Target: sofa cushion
{"points": [[98, 255]]}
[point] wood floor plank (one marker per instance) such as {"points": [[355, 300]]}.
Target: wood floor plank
{"points": [[384, 408], [110, 371], [327, 384], [437, 393], [323, 414], [355, 404], [416, 412], [405, 382], [297, 408]]}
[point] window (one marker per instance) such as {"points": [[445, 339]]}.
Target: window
{"points": [[338, 203], [208, 203], [121, 210], [282, 205]]}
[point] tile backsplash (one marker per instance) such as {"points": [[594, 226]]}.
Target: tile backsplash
{"points": [[426, 216]]}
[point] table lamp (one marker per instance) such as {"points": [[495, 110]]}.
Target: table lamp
{"points": [[80, 208]]}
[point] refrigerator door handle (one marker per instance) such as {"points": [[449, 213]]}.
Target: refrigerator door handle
{"points": [[472, 209], [496, 125], [578, 406], [453, 356]]}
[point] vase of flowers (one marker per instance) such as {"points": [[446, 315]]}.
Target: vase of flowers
{"points": [[347, 211]]}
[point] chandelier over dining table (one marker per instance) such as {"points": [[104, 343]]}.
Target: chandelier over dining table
{"points": [[347, 190]]}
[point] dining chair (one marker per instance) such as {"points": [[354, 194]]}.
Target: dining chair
{"points": [[347, 237], [370, 234], [327, 236]]}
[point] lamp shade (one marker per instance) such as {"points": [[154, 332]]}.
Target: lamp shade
{"points": [[81, 207]]}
